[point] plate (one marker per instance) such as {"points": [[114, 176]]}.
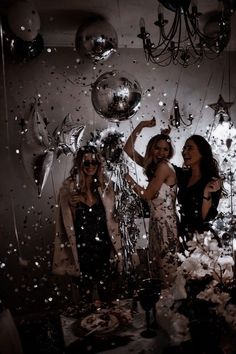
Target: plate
{"points": [[102, 322]]}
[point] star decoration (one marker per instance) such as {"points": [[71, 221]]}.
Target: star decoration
{"points": [[221, 106], [68, 136]]}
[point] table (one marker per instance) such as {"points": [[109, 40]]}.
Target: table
{"points": [[136, 344]]}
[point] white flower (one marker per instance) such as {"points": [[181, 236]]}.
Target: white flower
{"points": [[214, 295]]}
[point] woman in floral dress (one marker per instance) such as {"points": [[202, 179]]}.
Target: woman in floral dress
{"points": [[160, 194]]}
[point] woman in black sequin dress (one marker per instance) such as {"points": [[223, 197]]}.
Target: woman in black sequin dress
{"points": [[87, 229]]}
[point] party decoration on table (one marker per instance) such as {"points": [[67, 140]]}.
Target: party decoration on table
{"points": [[36, 149], [24, 20], [116, 96], [68, 136], [110, 143], [97, 40], [101, 322], [201, 302]]}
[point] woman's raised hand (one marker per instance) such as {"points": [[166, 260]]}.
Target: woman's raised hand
{"points": [[166, 131], [148, 123]]}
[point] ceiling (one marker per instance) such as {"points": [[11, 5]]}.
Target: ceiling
{"points": [[60, 19]]}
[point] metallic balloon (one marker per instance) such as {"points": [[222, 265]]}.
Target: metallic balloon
{"points": [[23, 50], [97, 40], [36, 149], [116, 96], [24, 20], [67, 136]]}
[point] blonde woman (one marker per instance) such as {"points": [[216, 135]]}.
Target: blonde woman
{"points": [[160, 194], [88, 242]]}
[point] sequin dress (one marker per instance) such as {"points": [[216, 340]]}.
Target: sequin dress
{"points": [[93, 244], [163, 239]]}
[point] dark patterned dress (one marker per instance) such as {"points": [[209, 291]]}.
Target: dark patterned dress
{"points": [[163, 238]]}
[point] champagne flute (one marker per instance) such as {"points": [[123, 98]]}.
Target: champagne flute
{"points": [[148, 295]]}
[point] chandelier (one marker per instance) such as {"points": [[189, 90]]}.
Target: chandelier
{"points": [[184, 42]]}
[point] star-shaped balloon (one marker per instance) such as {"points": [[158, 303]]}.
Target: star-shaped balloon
{"points": [[67, 136], [221, 109], [36, 148]]}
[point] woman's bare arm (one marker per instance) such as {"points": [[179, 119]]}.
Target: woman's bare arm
{"points": [[161, 175], [129, 146], [212, 186]]}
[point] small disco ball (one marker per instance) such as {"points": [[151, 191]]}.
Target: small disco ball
{"points": [[96, 40], [116, 96]]}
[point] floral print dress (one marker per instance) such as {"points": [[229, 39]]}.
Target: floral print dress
{"points": [[163, 238]]}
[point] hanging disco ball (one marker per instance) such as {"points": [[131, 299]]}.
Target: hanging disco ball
{"points": [[116, 96], [96, 40]]}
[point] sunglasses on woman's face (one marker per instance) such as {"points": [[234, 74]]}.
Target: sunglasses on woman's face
{"points": [[87, 163]]}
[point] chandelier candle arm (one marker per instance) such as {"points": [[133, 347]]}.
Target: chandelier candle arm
{"points": [[183, 41]]}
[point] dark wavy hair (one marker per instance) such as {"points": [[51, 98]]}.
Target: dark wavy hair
{"points": [[208, 164], [149, 164]]}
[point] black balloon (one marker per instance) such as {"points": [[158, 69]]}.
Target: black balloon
{"points": [[24, 50], [116, 95]]}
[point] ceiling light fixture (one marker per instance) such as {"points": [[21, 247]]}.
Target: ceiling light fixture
{"points": [[184, 42], [176, 119]]}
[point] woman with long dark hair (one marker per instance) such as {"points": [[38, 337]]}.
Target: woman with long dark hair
{"points": [[199, 187]]}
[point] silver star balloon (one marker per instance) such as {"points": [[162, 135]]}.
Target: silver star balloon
{"points": [[221, 109], [36, 149], [68, 136]]}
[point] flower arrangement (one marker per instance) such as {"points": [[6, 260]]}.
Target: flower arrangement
{"points": [[201, 304]]}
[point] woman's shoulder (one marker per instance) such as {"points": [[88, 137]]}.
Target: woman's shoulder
{"points": [[165, 165]]}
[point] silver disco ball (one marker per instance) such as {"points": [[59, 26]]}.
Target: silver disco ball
{"points": [[116, 96], [96, 40]]}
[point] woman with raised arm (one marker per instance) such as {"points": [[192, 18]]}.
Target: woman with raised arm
{"points": [[160, 194], [199, 183], [88, 241]]}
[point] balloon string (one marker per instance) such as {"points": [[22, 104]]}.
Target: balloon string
{"points": [[204, 100], [15, 228], [53, 188]]}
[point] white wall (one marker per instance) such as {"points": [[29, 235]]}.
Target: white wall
{"points": [[64, 85]]}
